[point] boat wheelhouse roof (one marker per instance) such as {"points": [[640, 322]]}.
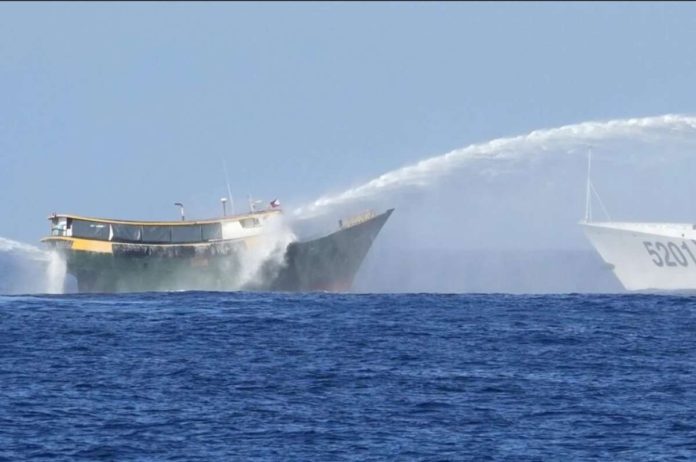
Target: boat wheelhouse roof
{"points": [[166, 223]]}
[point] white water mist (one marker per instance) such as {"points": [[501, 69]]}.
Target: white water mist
{"points": [[56, 270], [495, 216], [28, 269], [568, 137], [29, 251], [503, 215], [264, 253]]}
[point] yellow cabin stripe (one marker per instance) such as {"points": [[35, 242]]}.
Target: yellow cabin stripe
{"points": [[92, 246], [88, 245]]}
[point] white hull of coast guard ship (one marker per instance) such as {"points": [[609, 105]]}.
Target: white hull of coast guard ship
{"points": [[647, 256]]}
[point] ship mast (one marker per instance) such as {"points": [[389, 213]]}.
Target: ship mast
{"points": [[588, 193], [590, 190]]}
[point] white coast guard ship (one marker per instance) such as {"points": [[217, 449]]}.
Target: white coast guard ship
{"points": [[644, 256]]}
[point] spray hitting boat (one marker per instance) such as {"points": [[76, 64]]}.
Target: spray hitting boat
{"points": [[643, 255], [240, 252]]}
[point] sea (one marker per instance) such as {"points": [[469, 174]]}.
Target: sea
{"points": [[199, 376]]}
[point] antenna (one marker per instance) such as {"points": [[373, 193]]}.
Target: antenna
{"points": [[227, 182], [601, 204], [588, 193]]}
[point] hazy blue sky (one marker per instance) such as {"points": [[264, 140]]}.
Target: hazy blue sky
{"points": [[119, 110]]}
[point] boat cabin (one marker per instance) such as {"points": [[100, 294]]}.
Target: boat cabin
{"points": [[162, 232]]}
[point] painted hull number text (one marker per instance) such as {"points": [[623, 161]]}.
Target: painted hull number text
{"points": [[670, 254]]}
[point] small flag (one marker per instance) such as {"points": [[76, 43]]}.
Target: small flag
{"points": [[275, 203]]}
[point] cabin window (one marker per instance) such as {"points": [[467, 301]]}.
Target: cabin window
{"points": [[59, 225], [186, 233], [90, 229], [211, 231], [249, 222], [126, 233], [157, 234]]}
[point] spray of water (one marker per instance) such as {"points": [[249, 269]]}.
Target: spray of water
{"points": [[56, 271], [30, 251], [502, 216], [29, 269], [566, 138], [260, 261], [460, 212]]}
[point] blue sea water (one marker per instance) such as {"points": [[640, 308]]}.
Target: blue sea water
{"points": [[254, 376]]}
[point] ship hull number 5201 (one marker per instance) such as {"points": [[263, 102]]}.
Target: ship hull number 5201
{"points": [[670, 254]]}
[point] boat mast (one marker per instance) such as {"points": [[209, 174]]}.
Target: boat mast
{"points": [[227, 182]]}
